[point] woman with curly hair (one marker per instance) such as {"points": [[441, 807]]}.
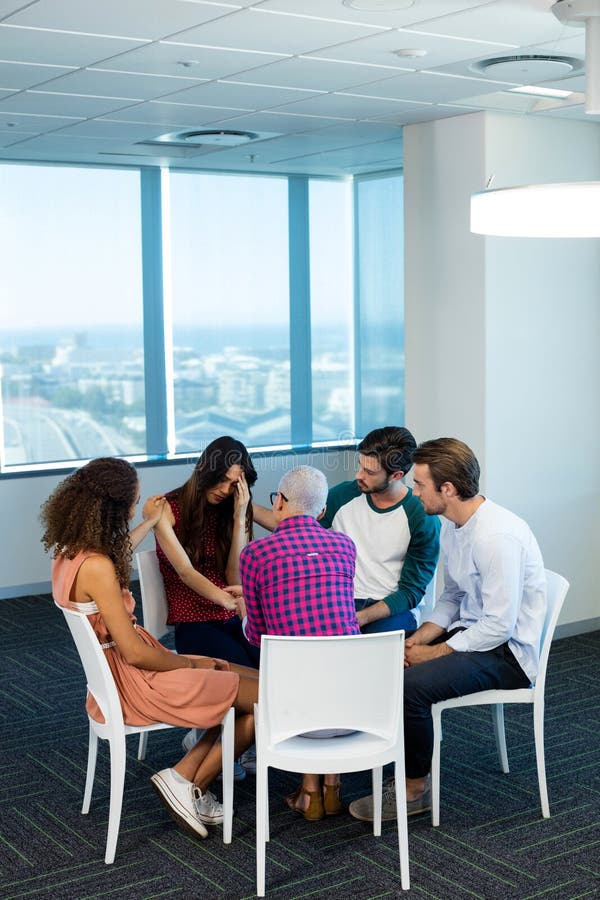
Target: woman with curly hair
{"points": [[86, 529], [205, 524]]}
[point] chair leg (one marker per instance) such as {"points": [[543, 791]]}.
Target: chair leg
{"points": [[262, 818], [91, 770], [117, 783], [435, 766], [143, 745], [538, 731], [227, 741], [377, 777], [402, 826], [500, 735]]}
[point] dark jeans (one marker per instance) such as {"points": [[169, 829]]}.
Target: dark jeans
{"points": [[449, 676], [402, 621], [225, 640]]}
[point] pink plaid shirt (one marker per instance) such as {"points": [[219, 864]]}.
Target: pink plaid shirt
{"points": [[299, 581]]}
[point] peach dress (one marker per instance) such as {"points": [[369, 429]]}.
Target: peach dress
{"points": [[187, 697]]}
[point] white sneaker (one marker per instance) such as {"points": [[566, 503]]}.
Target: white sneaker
{"points": [[179, 797], [208, 808], [248, 760]]}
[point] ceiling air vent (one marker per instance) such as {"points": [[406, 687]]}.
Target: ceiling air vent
{"points": [[527, 69], [204, 137]]}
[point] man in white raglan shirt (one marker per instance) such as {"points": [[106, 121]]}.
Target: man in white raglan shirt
{"points": [[484, 632]]}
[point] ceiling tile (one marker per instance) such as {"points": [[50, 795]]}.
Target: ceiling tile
{"points": [[511, 21], [103, 83], [258, 29], [176, 114], [203, 62], [333, 9], [60, 104], [274, 121], [428, 88], [242, 95], [34, 124], [347, 105], [440, 50], [317, 74], [108, 128], [58, 48], [19, 76], [134, 18], [415, 114]]}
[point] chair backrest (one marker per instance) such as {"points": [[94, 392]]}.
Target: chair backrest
{"points": [[311, 683], [99, 678], [154, 599], [425, 607], [556, 591]]}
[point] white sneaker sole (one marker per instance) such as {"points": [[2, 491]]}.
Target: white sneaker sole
{"points": [[175, 808]]}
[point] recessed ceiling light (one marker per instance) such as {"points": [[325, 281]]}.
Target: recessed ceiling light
{"points": [[540, 91], [378, 5]]}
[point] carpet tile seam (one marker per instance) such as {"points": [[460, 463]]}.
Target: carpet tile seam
{"points": [[64, 825], [556, 837], [571, 851], [471, 849]]}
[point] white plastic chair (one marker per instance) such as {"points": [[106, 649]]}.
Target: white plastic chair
{"points": [[101, 685], [309, 683], [152, 589], [557, 588]]}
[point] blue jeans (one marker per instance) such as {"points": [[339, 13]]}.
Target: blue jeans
{"points": [[225, 640], [402, 621], [448, 676]]}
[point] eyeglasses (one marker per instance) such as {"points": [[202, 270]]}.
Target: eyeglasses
{"points": [[273, 497]]}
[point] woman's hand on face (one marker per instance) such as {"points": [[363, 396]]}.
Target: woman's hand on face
{"points": [[153, 509], [241, 497]]}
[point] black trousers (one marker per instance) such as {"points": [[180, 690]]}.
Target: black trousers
{"points": [[449, 676]]}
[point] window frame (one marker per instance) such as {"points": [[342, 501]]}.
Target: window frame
{"points": [[158, 376]]}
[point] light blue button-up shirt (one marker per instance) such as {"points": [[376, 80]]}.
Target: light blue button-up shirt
{"points": [[494, 585]]}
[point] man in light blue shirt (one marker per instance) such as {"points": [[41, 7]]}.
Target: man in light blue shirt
{"points": [[485, 630]]}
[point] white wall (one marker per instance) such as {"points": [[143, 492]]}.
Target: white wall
{"points": [[502, 333], [25, 567]]}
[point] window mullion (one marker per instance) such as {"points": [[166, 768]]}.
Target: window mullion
{"points": [[154, 324], [300, 330]]}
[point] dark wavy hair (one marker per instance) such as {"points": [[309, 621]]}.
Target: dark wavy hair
{"points": [[214, 463], [392, 446], [89, 510]]}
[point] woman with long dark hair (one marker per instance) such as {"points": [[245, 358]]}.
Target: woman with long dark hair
{"points": [[203, 527], [86, 523]]}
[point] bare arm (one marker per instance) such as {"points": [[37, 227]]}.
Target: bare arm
{"points": [[97, 582], [239, 537], [264, 517], [379, 610], [180, 561], [153, 509]]}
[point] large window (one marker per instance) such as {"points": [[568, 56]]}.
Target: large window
{"points": [[231, 330], [331, 297], [71, 348], [380, 265], [145, 313]]}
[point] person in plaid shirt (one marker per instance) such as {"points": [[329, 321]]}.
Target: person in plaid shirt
{"points": [[300, 581]]}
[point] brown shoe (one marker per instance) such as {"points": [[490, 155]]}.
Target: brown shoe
{"points": [[314, 811], [332, 801]]}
